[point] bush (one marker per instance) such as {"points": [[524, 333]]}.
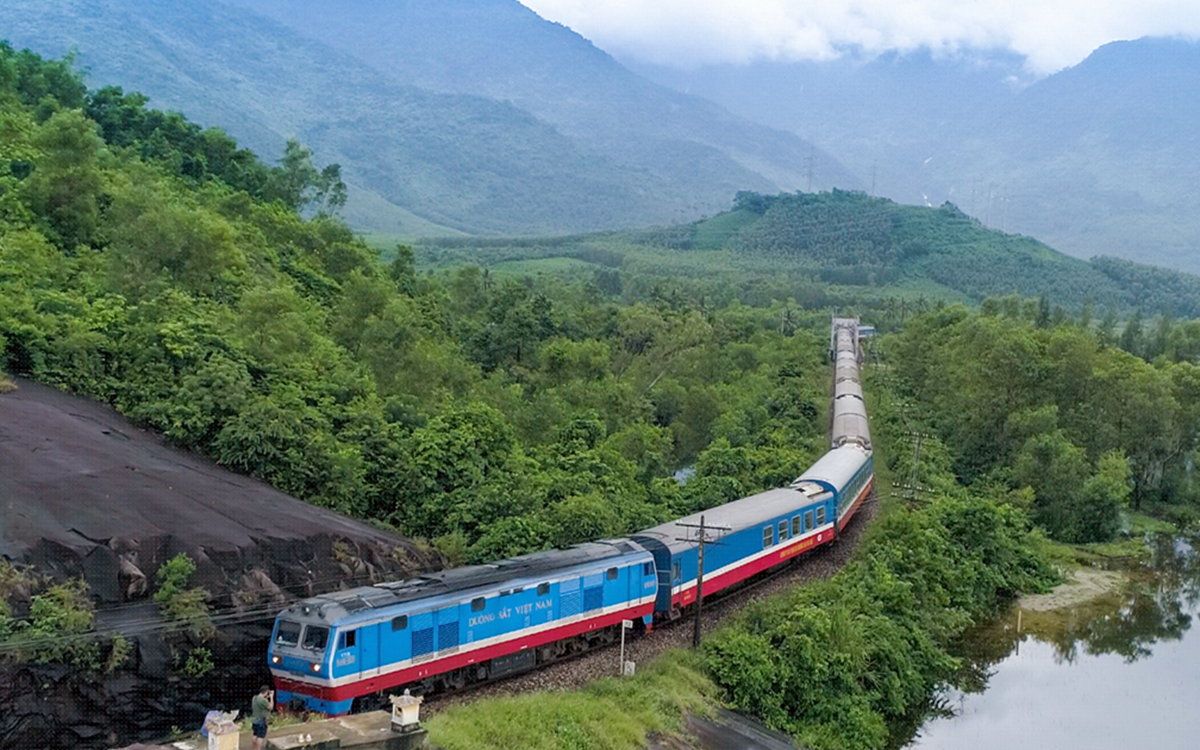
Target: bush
{"points": [[119, 651], [198, 663], [59, 628], [184, 606]]}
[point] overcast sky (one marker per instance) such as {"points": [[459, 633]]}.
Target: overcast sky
{"points": [[1050, 34]]}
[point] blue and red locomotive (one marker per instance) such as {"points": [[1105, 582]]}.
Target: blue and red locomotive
{"points": [[465, 625]]}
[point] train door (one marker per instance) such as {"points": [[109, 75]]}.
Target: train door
{"points": [[368, 648], [346, 657], [676, 578]]}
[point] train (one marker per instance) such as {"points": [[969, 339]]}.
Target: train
{"points": [[343, 651]]}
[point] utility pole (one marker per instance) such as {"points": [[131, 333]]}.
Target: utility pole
{"points": [[812, 153], [703, 540], [912, 487]]}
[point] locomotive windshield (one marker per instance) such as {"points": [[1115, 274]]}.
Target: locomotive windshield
{"points": [[315, 637], [288, 633]]}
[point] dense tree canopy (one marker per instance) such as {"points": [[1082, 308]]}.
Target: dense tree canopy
{"points": [[1088, 426], [156, 266]]}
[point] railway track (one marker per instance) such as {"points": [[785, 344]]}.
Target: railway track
{"points": [[578, 671]]}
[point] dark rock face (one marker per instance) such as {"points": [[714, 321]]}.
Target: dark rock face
{"points": [[86, 494], [50, 706]]}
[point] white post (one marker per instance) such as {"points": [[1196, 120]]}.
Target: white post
{"points": [[625, 625]]}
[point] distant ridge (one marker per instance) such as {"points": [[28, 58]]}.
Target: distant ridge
{"points": [[1097, 159], [605, 148]]}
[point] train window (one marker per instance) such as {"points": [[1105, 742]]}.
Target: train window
{"points": [[611, 574], [518, 589], [647, 569], [543, 589], [677, 572], [477, 604], [768, 537], [808, 520], [288, 633], [506, 592], [795, 525], [820, 515], [315, 637], [348, 639], [400, 623], [783, 530]]}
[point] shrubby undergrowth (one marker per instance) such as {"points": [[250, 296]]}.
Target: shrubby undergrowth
{"points": [[609, 714]]}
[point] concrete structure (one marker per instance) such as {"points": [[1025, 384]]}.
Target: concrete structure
{"points": [[366, 731]]}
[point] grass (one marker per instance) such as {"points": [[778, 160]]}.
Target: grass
{"points": [[1139, 524], [1132, 547], [534, 266], [1123, 549], [6, 385], [609, 714], [714, 233]]}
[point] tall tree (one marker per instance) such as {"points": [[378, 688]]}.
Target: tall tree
{"points": [[299, 185]]}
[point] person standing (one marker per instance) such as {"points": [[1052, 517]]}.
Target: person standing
{"points": [[261, 707]]}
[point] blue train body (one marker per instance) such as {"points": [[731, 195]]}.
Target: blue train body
{"points": [[456, 626]]}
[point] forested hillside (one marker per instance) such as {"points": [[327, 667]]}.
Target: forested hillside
{"points": [[840, 248], [502, 50], [156, 267]]}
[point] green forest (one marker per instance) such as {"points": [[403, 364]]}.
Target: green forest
{"points": [[161, 269], [994, 428], [497, 397]]}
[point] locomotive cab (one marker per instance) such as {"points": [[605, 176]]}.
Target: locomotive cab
{"points": [[300, 650]]}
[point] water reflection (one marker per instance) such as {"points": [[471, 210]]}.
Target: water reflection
{"points": [[1085, 674]]}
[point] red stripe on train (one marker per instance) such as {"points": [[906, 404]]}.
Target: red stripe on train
{"points": [[845, 519], [737, 575], [741, 573]]}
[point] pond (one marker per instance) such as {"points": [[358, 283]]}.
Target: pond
{"points": [[1117, 672]]}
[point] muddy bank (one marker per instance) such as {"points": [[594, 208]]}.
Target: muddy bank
{"points": [[1081, 586]]}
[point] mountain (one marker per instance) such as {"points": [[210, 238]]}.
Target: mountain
{"points": [[1098, 159], [501, 50], [544, 133], [878, 116]]}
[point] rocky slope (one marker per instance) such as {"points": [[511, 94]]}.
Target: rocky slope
{"points": [[86, 494]]}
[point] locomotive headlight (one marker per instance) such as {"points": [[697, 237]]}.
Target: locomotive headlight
{"points": [[276, 659], [315, 667]]}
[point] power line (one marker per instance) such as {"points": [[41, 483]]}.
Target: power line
{"points": [[159, 623]]}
